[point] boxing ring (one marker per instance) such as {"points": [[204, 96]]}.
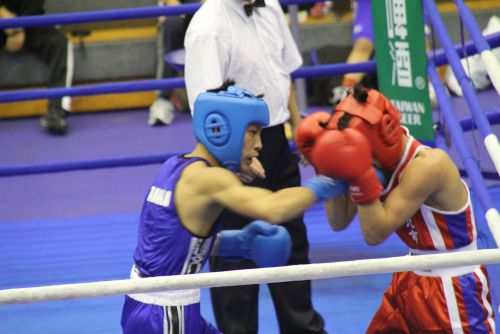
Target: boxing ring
{"points": [[17, 293]]}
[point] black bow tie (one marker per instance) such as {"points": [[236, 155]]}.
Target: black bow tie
{"points": [[249, 7]]}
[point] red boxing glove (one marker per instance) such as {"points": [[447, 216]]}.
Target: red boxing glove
{"points": [[366, 187], [347, 155], [309, 130]]}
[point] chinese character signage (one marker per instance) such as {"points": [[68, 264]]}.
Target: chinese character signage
{"points": [[402, 60]]}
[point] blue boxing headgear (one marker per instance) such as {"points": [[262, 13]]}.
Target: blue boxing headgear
{"points": [[220, 121]]}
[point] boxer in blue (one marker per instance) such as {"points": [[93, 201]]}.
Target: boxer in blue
{"points": [[180, 218]]}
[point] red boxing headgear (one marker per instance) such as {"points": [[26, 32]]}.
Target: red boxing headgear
{"points": [[378, 120]]}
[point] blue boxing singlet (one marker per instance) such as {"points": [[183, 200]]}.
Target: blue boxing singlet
{"points": [[165, 247]]}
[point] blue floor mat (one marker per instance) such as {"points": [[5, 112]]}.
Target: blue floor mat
{"points": [[48, 252]]}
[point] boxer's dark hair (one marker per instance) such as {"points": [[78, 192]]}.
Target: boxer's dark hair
{"points": [[343, 122], [324, 124], [223, 87], [360, 94]]}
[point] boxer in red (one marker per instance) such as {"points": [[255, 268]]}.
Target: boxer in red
{"points": [[424, 201]]}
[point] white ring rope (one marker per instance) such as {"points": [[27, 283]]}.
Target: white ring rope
{"points": [[492, 66], [249, 276], [493, 147]]}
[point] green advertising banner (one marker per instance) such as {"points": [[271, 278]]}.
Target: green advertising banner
{"points": [[402, 62]]}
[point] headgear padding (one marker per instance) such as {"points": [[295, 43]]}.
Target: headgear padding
{"points": [[220, 121], [379, 121]]}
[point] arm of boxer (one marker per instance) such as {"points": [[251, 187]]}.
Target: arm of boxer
{"points": [[325, 187], [219, 187], [259, 203], [266, 244], [423, 181], [293, 107], [279, 206], [340, 212]]}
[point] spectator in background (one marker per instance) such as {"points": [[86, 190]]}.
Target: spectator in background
{"points": [[251, 43], [362, 47], [49, 44], [320, 9], [171, 37], [474, 65]]}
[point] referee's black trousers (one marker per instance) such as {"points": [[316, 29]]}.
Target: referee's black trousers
{"points": [[236, 308]]}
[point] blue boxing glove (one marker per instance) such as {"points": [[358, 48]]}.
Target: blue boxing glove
{"points": [[266, 244], [273, 250], [324, 187]]}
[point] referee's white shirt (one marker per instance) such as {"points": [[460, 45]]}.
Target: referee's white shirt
{"points": [[258, 52]]}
